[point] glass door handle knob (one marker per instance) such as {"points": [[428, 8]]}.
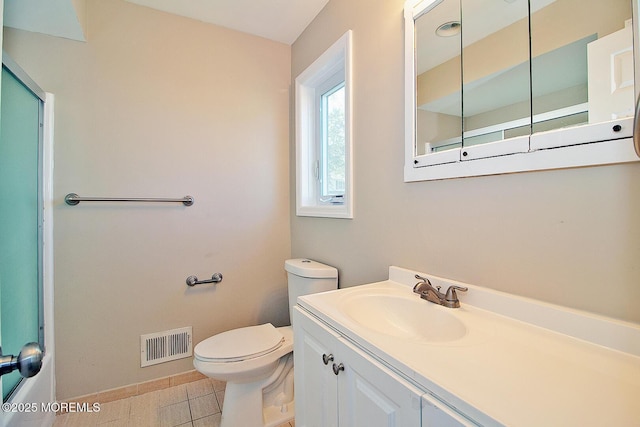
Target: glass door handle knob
{"points": [[28, 362]]}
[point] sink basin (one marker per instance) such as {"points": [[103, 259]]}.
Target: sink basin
{"points": [[403, 317]]}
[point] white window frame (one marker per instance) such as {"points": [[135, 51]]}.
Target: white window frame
{"points": [[309, 87], [586, 145]]}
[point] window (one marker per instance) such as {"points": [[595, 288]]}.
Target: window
{"points": [[323, 135], [331, 173]]}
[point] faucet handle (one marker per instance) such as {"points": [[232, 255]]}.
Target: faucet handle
{"points": [[417, 288], [451, 295]]}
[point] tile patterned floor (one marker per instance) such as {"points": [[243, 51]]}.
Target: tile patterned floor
{"points": [[196, 404]]}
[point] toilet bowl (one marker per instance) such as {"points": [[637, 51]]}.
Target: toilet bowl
{"points": [[257, 361], [250, 359]]}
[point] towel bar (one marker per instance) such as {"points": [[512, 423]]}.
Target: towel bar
{"points": [[73, 199]]}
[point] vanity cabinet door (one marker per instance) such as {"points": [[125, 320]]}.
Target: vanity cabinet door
{"points": [[351, 389], [373, 396], [435, 414], [316, 393]]}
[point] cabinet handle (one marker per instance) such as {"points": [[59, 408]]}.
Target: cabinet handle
{"points": [[326, 358], [338, 368]]}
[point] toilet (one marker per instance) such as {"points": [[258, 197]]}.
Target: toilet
{"points": [[257, 361]]}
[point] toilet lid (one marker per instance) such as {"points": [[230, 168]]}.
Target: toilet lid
{"points": [[240, 344]]}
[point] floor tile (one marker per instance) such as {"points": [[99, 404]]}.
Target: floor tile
{"points": [[174, 415], [210, 421], [147, 420], [172, 395], [220, 398], [112, 411], [195, 404], [82, 419], [143, 405], [122, 422], [203, 406], [61, 420], [218, 385], [199, 388]]}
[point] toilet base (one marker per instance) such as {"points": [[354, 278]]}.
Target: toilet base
{"points": [[273, 416], [268, 404], [243, 407]]}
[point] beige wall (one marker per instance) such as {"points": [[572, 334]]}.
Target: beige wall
{"points": [[160, 106], [570, 237]]}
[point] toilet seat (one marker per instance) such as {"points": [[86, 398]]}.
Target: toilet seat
{"points": [[240, 344]]}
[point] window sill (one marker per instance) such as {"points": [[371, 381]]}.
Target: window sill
{"points": [[326, 211]]}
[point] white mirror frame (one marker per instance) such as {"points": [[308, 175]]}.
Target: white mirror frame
{"points": [[556, 149]]}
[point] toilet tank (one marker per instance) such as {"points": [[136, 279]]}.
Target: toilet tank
{"points": [[305, 276]]}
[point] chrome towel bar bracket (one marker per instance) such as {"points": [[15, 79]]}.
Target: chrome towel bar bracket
{"points": [[73, 199], [193, 280]]}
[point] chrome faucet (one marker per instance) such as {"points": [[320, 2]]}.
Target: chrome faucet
{"points": [[426, 291]]}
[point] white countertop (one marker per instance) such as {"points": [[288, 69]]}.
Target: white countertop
{"points": [[505, 371]]}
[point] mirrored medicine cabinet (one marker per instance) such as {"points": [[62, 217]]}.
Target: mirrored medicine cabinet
{"points": [[499, 86]]}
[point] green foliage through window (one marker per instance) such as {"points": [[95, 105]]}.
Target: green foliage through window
{"points": [[333, 170]]}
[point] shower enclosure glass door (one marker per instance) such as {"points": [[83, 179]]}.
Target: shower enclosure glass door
{"points": [[20, 221]]}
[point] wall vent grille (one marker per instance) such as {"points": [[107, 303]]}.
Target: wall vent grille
{"points": [[165, 346]]}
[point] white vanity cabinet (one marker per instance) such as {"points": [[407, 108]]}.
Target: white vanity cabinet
{"points": [[436, 415], [499, 360], [316, 390], [352, 389]]}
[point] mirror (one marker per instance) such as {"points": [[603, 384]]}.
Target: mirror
{"points": [[582, 66], [500, 70], [495, 86], [439, 78]]}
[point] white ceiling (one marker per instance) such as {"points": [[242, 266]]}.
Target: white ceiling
{"points": [[279, 20]]}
